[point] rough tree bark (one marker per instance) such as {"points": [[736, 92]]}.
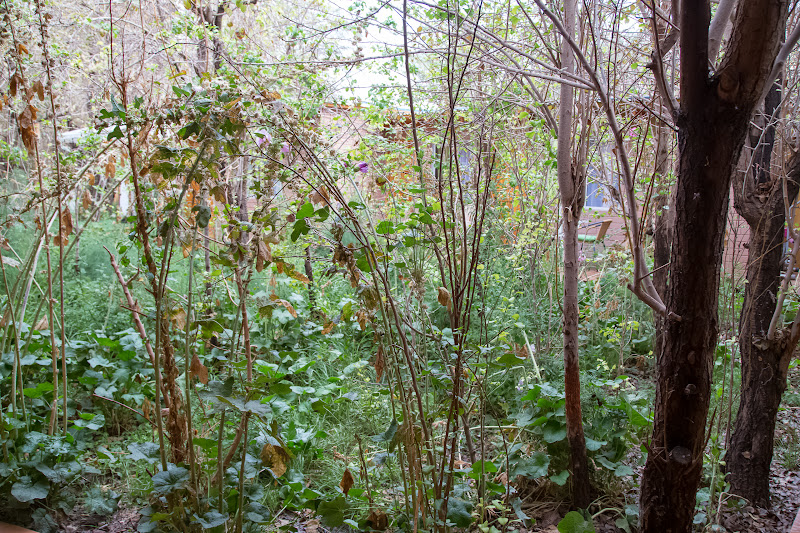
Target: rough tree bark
{"points": [[759, 199], [570, 185], [712, 122]]}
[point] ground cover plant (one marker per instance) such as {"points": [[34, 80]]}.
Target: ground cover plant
{"points": [[401, 266]]}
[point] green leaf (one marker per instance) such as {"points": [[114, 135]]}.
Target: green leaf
{"points": [[26, 490], [385, 227], [306, 211], [174, 478], [145, 451], [574, 522], [532, 467], [560, 479], [99, 502], [39, 390], [459, 512], [594, 445], [90, 421], [387, 435], [623, 470], [211, 519], [554, 431], [479, 467], [203, 216], [332, 512]]}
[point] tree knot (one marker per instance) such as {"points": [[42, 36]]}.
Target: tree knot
{"points": [[680, 455]]}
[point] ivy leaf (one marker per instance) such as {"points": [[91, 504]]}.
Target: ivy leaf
{"points": [[26, 490], [482, 466], [90, 421], [172, 479]]}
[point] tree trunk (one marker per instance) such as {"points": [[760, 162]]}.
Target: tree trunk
{"points": [[662, 234], [569, 184], [760, 201], [712, 123]]}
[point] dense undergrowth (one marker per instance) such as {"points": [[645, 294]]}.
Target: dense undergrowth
{"points": [[324, 433]]}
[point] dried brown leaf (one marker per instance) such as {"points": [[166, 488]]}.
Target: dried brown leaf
{"points": [[10, 261], [86, 202], [26, 121], [380, 364], [66, 222], [42, 324], [199, 370], [275, 458], [38, 88], [347, 481], [444, 298], [378, 520]]}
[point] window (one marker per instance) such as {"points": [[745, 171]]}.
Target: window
{"points": [[597, 195], [464, 164]]}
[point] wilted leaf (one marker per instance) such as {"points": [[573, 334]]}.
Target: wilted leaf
{"points": [[10, 261], [264, 256], [87, 200], [42, 324], [377, 520], [111, 168], [380, 364], [179, 318], [66, 223], [199, 370], [26, 121], [328, 327], [275, 458], [284, 303], [15, 82], [38, 88], [444, 298], [320, 196], [347, 481]]}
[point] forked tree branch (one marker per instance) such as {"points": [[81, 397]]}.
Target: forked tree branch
{"points": [[642, 286]]}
